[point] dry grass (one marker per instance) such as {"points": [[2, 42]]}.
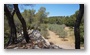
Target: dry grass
{"points": [[69, 44]]}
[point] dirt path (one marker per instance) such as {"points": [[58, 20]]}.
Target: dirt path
{"points": [[58, 41]]}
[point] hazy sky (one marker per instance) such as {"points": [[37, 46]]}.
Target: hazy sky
{"points": [[55, 9]]}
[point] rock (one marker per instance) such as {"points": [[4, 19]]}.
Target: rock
{"points": [[36, 34], [19, 39], [46, 41], [36, 47], [40, 44], [15, 48], [11, 46], [55, 47], [51, 43], [37, 41], [28, 45], [24, 41], [22, 32], [18, 35], [30, 31]]}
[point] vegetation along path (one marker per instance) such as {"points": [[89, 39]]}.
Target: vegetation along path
{"points": [[58, 41]]}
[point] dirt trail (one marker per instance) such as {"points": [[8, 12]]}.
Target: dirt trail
{"points": [[58, 41]]}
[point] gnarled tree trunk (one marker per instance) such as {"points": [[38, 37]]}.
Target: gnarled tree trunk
{"points": [[13, 36], [22, 21], [76, 27]]}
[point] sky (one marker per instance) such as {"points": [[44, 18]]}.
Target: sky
{"points": [[54, 9]]}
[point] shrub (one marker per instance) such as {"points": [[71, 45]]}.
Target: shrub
{"points": [[58, 29], [44, 31]]}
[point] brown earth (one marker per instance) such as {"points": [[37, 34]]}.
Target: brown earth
{"points": [[58, 41], [69, 44]]}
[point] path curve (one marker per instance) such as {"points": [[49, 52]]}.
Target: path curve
{"points": [[58, 41]]}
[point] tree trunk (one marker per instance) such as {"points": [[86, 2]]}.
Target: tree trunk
{"points": [[76, 27], [22, 21], [13, 36]]}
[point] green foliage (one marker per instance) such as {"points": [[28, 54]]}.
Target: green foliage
{"points": [[17, 22], [40, 21], [41, 14], [29, 15], [58, 29], [67, 20], [63, 34], [5, 40], [35, 25], [44, 31], [6, 30]]}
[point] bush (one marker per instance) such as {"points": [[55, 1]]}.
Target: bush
{"points": [[44, 31], [45, 34], [58, 29]]}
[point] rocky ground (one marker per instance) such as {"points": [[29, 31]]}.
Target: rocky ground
{"points": [[37, 42]]}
